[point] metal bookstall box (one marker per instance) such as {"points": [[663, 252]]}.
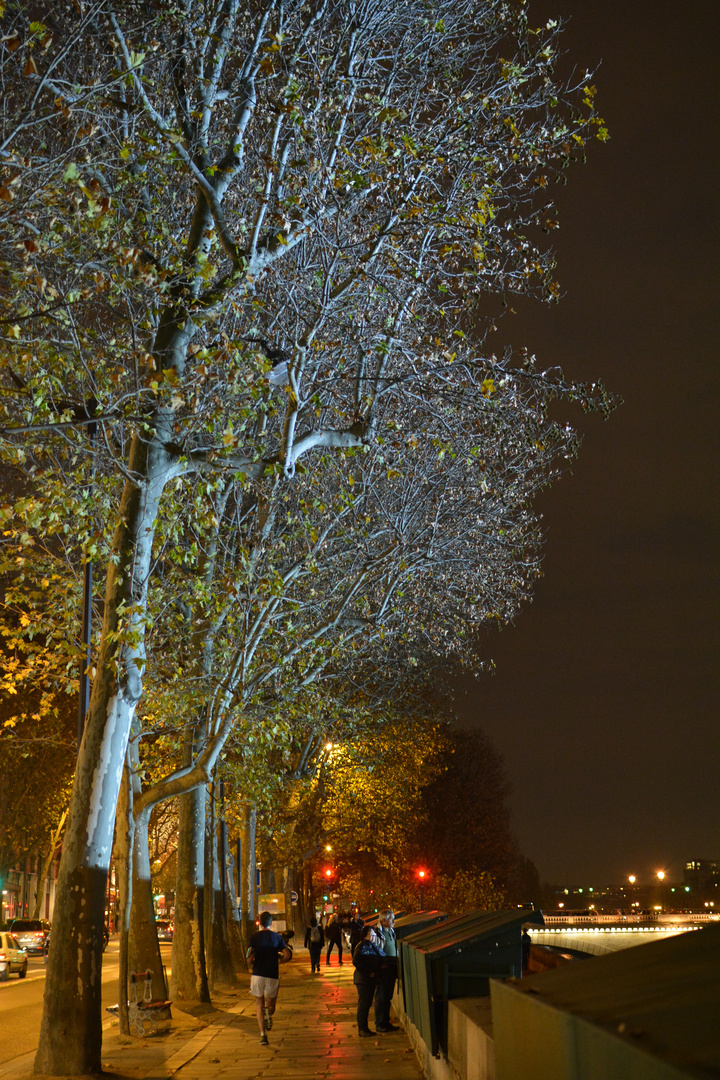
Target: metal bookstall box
{"points": [[416, 921], [456, 959], [374, 919]]}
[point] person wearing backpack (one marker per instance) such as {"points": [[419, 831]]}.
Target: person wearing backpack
{"points": [[314, 941]]}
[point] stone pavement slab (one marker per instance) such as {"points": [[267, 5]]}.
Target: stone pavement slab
{"points": [[314, 1037]]}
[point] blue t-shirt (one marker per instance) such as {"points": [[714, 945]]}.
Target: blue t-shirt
{"points": [[266, 945]]}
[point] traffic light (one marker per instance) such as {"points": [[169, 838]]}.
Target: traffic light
{"points": [[422, 876]]}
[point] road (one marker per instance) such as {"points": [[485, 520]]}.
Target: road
{"points": [[21, 1001]]}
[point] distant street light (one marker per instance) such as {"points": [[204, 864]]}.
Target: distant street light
{"points": [[661, 878], [632, 879]]}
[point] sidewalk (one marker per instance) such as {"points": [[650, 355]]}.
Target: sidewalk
{"points": [[314, 1037]]}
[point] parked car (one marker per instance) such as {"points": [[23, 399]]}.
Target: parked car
{"points": [[13, 957], [165, 929], [31, 933]]}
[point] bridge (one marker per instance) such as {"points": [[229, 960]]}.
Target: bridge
{"points": [[573, 933]]}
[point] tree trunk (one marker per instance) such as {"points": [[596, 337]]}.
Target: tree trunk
{"points": [[71, 1031], [208, 910], [47, 863], [248, 875], [220, 967], [144, 947], [189, 976], [289, 880], [124, 830], [234, 923]]}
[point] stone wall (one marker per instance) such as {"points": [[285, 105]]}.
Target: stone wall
{"points": [[471, 1050]]}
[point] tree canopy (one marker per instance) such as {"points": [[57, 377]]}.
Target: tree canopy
{"points": [[252, 255]]}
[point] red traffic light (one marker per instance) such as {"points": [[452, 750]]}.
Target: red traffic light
{"points": [[422, 874], [328, 873]]}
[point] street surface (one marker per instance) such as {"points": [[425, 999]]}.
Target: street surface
{"points": [[21, 1001]]}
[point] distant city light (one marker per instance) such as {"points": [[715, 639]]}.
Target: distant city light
{"points": [[632, 879], [661, 875]]}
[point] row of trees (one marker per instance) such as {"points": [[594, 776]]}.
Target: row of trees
{"points": [[248, 259]]}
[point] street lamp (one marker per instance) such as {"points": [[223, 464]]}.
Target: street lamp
{"points": [[632, 879], [661, 878]]}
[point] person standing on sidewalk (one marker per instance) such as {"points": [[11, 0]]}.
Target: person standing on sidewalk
{"points": [[314, 941], [333, 936], [356, 927], [369, 962], [388, 976], [265, 951]]}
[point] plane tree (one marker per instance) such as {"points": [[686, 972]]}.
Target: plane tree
{"points": [[390, 556], [242, 240]]}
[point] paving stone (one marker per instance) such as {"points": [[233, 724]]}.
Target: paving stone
{"points": [[314, 1037]]}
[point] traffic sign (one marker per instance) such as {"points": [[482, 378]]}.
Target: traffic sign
{"points": [[293, 898]]}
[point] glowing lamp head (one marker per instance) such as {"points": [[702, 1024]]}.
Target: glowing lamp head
{"points": [[661, 875], [632, 879]]}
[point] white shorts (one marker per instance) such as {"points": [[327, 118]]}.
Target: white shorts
{"points": [[262, 987]]}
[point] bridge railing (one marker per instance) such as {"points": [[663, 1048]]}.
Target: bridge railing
{"points": [[629, 918]]}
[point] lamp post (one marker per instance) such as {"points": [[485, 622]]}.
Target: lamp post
{"points": [[86, 638], [661, 878]]}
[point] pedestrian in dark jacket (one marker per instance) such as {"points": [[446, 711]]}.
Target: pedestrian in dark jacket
{"points": [[333, 936], [369, 963], [314, 941], [385, 932], [356, 929]]}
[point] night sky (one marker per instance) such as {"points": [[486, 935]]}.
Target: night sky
{"points": [[605, 703]]}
